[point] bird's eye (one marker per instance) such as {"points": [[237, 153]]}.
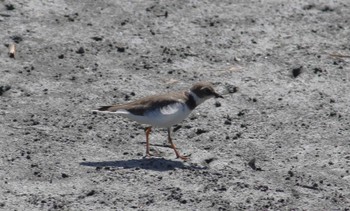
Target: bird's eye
{"points": [[207, 91]]}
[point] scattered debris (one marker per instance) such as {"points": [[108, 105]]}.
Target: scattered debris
{"points": [[252, 164], [338, 55], [4, 89], [231, 88], [12, 50]]}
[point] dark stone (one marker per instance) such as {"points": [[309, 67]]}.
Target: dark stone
{"points": [[80, 50], [121, 49], [9, 7], [297, 71], [97, 38], [200, 131], [209, 160], [17, 39], [64, 175], [91, 193], [3, 89]]}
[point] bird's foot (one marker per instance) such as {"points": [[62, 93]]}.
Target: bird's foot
{"points": [[150, 155], [182, 157]]}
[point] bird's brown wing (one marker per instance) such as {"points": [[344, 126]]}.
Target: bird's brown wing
{"points": [[139, 107]]}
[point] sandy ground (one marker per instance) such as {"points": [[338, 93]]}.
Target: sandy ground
{"points": [[280, 139]]}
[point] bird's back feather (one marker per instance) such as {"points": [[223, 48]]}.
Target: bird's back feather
{"points": [[139, 107]]}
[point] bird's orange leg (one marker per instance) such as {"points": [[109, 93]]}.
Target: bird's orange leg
{"points": [[148, 131], [174, 147]]}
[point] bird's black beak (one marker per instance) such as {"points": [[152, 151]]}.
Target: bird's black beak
{"points": [[218, 95]]}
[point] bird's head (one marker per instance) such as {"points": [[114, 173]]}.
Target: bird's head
{"points": [[204, 91]]}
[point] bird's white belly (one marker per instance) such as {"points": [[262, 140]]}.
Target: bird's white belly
{"points": [[161, 117]]}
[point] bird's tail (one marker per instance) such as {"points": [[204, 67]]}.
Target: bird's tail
{"points": [[113, 109], [103, 108]]}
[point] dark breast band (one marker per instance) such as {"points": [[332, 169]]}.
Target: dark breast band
{"points": [[191, 103]]}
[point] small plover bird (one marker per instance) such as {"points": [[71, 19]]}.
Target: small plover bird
{"points": [[164, 110]]}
